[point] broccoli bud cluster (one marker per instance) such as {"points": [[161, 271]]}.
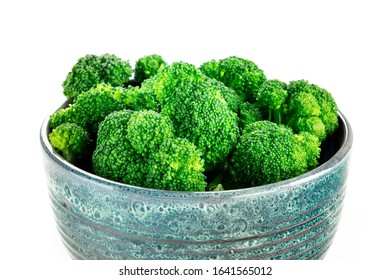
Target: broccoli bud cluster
{"points": [[179, 127]]}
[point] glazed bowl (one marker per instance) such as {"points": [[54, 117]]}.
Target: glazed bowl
{"points": [[293, 219]]}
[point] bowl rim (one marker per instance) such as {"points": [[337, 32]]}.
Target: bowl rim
{"points": [[317, 172]]}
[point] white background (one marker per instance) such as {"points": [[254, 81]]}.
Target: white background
{"points": [[342, 46]]}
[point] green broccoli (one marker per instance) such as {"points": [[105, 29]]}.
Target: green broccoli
{"points": [[272, 95], [311, 144], [177, 165], [182, 128], [91, 70], [147, 130], [268, 153], [311, 108], [72, 142], [114, 158], [137, 98], [248, 113], [198, 110], [233, 101], [211, 69], [154, 160], [91, 107], [147, 66], [171, 79], [240, 74]]}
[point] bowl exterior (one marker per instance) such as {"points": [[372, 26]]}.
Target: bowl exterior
{"points": [[101, 219]]}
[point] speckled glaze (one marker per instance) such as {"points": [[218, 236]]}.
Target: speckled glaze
{"points": [[293, 219]]}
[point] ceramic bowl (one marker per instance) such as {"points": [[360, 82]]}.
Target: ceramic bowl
{"points": [[293, 219]]}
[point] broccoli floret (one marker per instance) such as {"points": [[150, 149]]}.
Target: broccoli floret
{"points": [[147, 130], [240, 74], [248, 113], [311, 145], [92, 70], [211, 69], [263, 125], [177, 165], [139, 148], [172, 79], [272, 95], [72, 142], [233, 101], [310, 124], [91, 107], [147, 66], [311, 108], [65, 115], [197, 108], [266, 153], [137, 98], [202, 116], [114, 158]]}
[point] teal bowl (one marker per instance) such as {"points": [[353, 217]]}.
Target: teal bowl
{"points": [[293, 219]]}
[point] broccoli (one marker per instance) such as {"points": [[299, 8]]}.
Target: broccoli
{"points": [[248, 113], [91, 70], [178, 127], [198, 110], [311, 108], [147, 66], [177, 165], [311, 144], [72, 142], [137, 98], [139, 148], [240, 74], [91, 107], [268, 153], [114, 158], [171, 79], [233, 101], [272, 95], [147, 130]]}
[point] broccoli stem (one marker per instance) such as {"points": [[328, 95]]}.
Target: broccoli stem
{"points": [[69, 156], [216, 184], [278, 115], [275, 115]]}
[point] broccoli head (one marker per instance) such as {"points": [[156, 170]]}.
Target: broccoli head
{"points": [[266, 153], [177, 165], [139, 148], [171, 79], [136, 98], [202, 116], [311, 145], [91, 107], [211, 69], [72, 142], [272, 95], [197, 107], [114, 158], [311, 108], [248, 113], [147, 130], [240, 74], [91, 70], [147, 66]]}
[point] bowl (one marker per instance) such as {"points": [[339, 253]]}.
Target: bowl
{"points": [[293, 219]]}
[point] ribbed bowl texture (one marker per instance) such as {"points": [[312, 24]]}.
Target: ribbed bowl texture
{"points": [[292, 219]]}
